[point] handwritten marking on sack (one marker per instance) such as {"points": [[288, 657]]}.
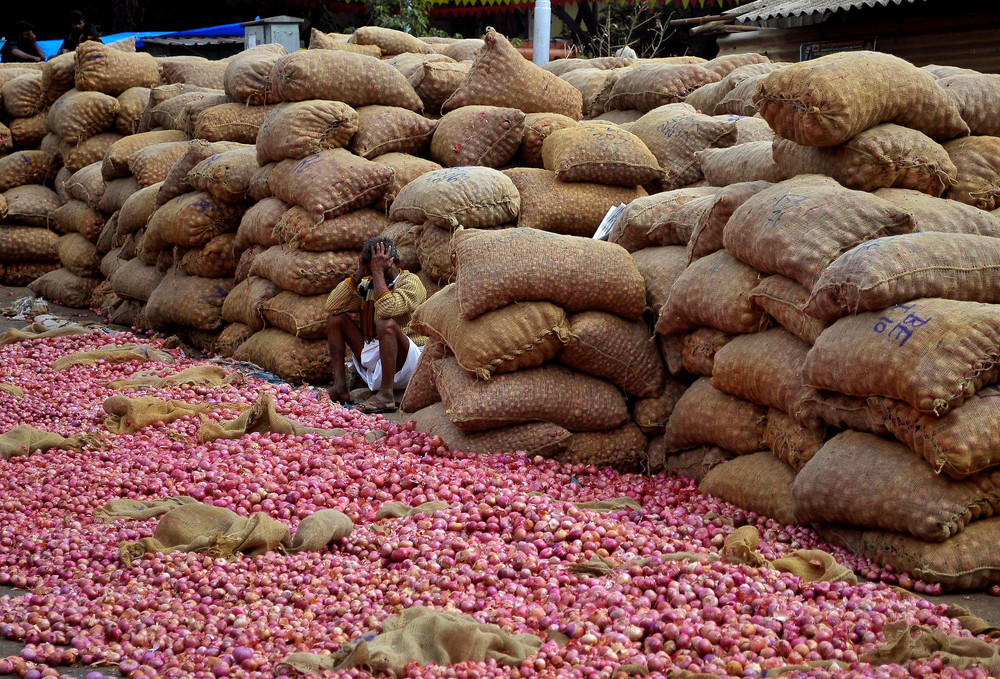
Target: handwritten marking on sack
{"points": [[678, 127], [903, 330], [782, 205], [992, 391], [448, 176]]}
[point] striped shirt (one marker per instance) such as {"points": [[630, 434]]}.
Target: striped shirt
{"points": [[398, 303]]}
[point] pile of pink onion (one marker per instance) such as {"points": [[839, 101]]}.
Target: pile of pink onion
{"points": [[497, 553]]}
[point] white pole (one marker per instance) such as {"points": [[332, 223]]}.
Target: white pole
{"points": [[543, 30]]}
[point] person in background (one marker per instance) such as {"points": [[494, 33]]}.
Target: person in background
{"points": [[79, 31], [23, 47], [384, 349]]}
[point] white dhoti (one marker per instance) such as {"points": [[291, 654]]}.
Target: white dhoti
{"points": [[370, 366]]}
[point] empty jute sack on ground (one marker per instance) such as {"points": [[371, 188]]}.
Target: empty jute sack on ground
{"points": [[38, 331], [478, 135], [835, 487], [826, 101], [354, 79], [750, 162], [978, 179], [287, 356], [569, 208], [784, 300], [329, 183], [641, 218], [620, 351], [930, 353], [114, 354], [534, 438], [759, 483], [886, 156], [300, 129], [500, 76], [190, 301], [660, 267], [698, 349], [550, 393], [21, 441], [960, 443], [599, 152], [896, 269], [425, 637], [705, 416], [128, 415], [942, 215], [796, 228], [211, 375], [706, 237], [763, 368], [473, 197], [713, 291], [521, 335], [808, 565], [262, 418], [249, 73], [791, 441], [496, 268]]}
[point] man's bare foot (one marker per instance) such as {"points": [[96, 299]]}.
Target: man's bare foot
{"points": [[339, 395]]}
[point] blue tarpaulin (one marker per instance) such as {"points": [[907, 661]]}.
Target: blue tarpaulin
{"points": [[50, 47]]}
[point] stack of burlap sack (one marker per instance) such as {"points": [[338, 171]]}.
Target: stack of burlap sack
{"points": [[841, 324]]}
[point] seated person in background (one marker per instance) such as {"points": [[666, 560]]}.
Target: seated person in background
{"points": [[79, 31], [23, 47], [385, 351]]}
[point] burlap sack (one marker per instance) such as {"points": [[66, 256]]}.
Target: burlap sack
{"points": [[234, 122], [303, 128], [622, 449], [248, 74], [188, 300], [28, 132], [746, 162], [434, 253], [135, 280], [675, 133], [299, 315], [321, 41], [724, 65], [751, 129], [191, 220], [406, 169], [260, 418], [707, 97], [34, 331], [652, 214], [976, 95], [537, 128], [31, 205], [478, 135], [434, 82], [705, 416], [27, 244], [387, 129], [329, 183], [116, 192], [158, 95], [784, 300], [461, 50], [595, 87], [24, 167], [243, 303], [86, 185], [791, 441], [58, 75], [78, 255], [110, 263], [472, 197], [698, 350], [137, 209], [715, 211], [826, 101], [114, 354], [151, 164], [118, 155], [940, 72], [226, 176], [421, 391], [6, 142], [131, 105], [287, 356], [399, 510], [548, 393], [841, 411], [660, 267], [568, 208], [920, 642], [193, 71], [245, 262], [942, 215], [517, 336], [176, 180], [620, 351], [299, 229], [562, 66], [886, 156], [763, 368], [602, 153], [496, 268], [258, 224], [178, 112], [808, 565], [931, 353], [231, 337], [22, 96], [20, 274], [896, 269], [759, 483], [66, 288], [305, 273], [645, 87], [960, 444], [211, 375], [215, 259], [978, 179], [739, 101], [100, 68], [834, 487], [651, 414], [500, 76], [689, 464], [23, 440], [426, 637], [714, 291], [390, 41], [796, 228], [355, 79]]}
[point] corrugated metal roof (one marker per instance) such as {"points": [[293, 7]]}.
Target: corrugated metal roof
{"points": [[762, 10]]}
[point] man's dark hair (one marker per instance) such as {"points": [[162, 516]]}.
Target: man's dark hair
{"points": [[369, 246], [76, 16], [22, 27]]}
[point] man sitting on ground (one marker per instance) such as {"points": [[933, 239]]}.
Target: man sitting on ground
{"points": [[79, 31], [22, 47], [385, 350]]}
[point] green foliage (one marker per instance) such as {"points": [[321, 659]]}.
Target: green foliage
{"points": [[411, 16]]}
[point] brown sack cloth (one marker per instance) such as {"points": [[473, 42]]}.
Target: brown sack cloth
{"points": [[758, 483], [118, 354], [398, 510], [27, 440], [534, 438], [211, 375], [16, 392], [904, 643], [426, 637], [39, 331], [706, 416], [129, 415], [810, 565], [261, 418]]}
